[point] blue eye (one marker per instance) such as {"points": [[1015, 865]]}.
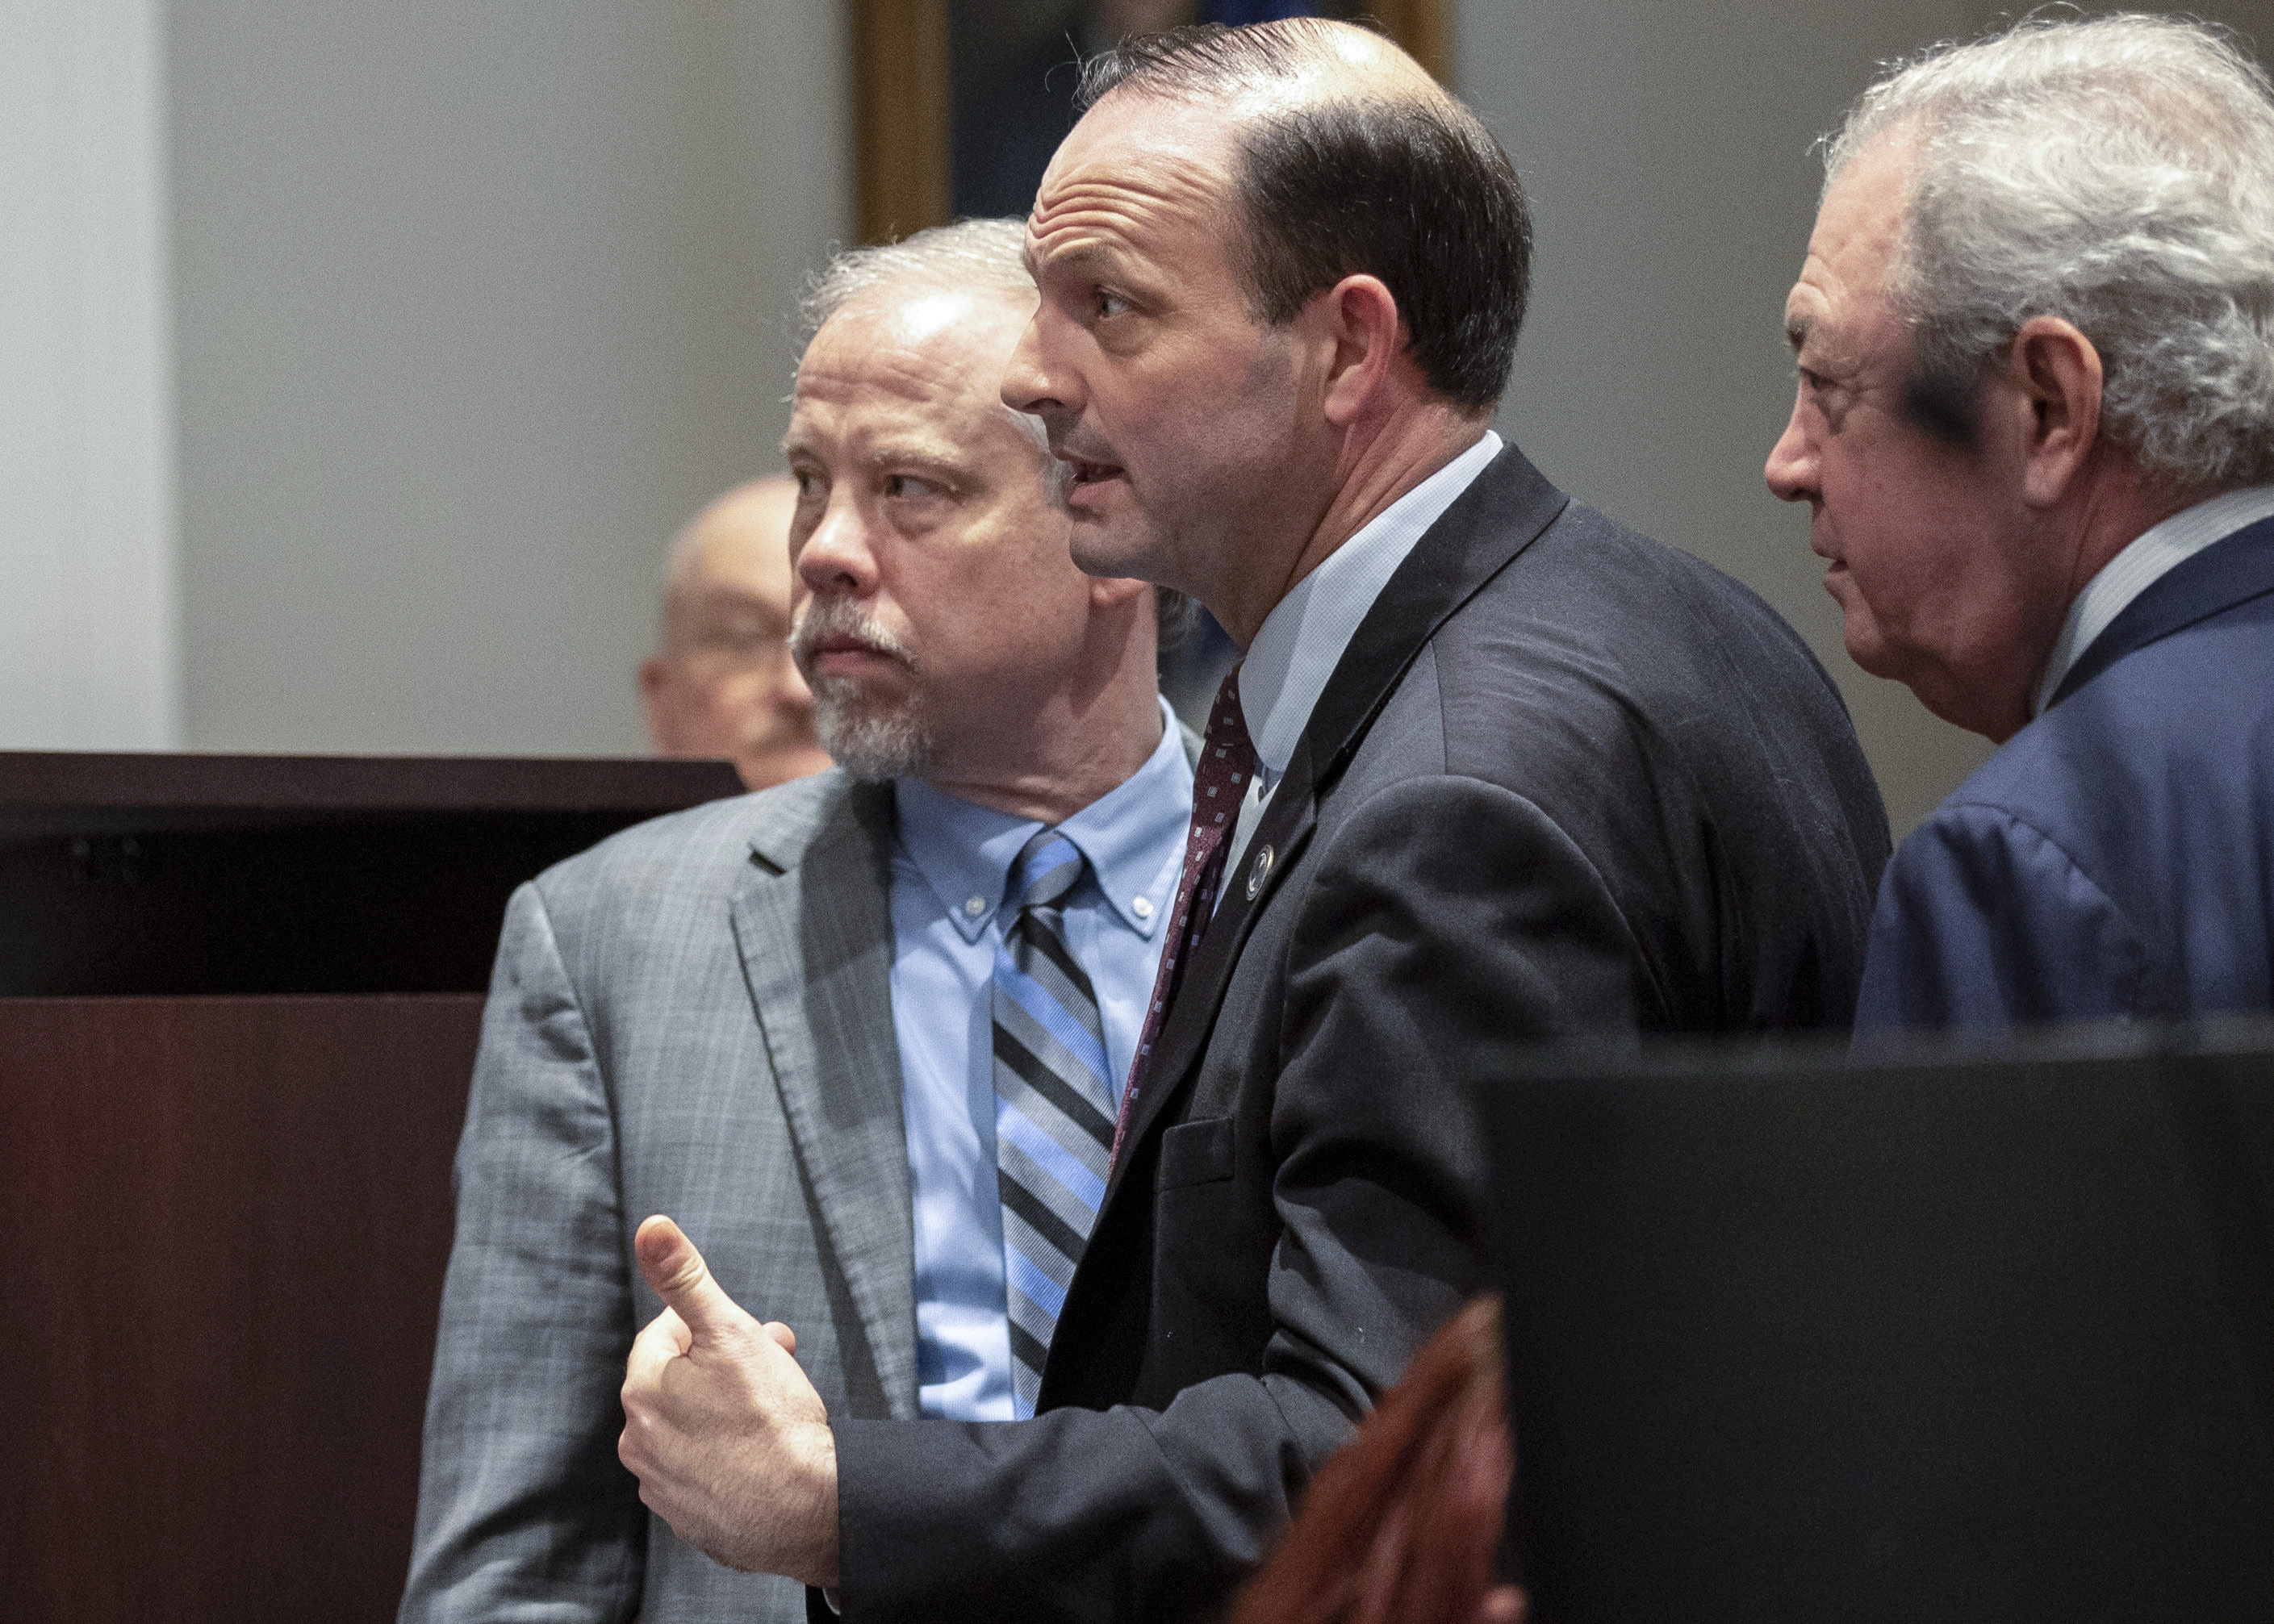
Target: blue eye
{"points": [[1111, 303]]}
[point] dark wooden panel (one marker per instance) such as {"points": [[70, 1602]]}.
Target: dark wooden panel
{"points": [[226, 1222], [31, 780], [126, 875]]}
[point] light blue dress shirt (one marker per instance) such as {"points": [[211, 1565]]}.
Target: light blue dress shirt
{"points": [[1302, 639], [950, 867]]}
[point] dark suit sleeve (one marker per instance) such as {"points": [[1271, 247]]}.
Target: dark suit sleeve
{"points": [[1442, 913], [523, 1511], [1982, 922]]}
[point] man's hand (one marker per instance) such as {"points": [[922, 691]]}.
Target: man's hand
{"points": [[729, 1440]]}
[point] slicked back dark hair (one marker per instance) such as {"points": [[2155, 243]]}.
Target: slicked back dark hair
{"points": [[1413, 190]]}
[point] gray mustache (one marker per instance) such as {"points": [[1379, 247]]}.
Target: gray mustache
{"points": [[840, 617]]}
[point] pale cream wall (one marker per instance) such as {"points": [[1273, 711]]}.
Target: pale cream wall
{"points": [[476, 303], [88, 599]]}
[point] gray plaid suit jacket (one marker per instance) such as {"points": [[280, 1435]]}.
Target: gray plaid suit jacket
{"points": [[693, 1018]]}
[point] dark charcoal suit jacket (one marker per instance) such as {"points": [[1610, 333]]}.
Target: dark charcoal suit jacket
{"points": [[2115, 859], [1563, 780]]}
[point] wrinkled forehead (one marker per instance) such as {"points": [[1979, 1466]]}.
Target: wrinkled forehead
{"points": [[917, 313], [1865, 209], [1857, 239], [1139, 176], [918, 342], [1147, 139], [917, 377]]}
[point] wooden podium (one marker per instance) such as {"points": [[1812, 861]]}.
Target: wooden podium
{"points": [[239, 998]]}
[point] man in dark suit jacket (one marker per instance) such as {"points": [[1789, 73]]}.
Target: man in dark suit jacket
{"points": [[1495, 767], [2039, 441]]}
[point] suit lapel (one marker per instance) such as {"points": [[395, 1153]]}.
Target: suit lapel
{"points": [[1285, 829], [1501, 514], [815, 939], [2228, 571]]}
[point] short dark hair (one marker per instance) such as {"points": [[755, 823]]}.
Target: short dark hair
{"points": [[1413, 190]]}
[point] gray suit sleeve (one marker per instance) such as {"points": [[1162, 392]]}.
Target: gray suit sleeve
{"points": [[524, 1509]]}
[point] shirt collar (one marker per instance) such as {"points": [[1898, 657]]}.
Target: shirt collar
{"points": [[1133, 836], [2152, 555], [1302, 639]]}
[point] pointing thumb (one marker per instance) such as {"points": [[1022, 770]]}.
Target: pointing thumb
{"points": [[676, 1273]]}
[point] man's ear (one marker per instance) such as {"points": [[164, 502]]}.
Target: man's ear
{"points": [[2055, 374], [654, 675], [1358, 319], [1112, 591]]}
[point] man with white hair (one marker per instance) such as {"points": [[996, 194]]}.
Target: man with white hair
{"points": [[863, 1032], [2036, 425], [721, 682]]}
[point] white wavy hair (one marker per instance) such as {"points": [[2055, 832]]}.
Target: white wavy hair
{"points": [[969, 256], [2117, 172]]}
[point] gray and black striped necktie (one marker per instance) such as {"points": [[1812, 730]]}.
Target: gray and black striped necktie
{"points": [[1053, 1104]]}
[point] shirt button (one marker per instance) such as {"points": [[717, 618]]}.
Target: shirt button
{"points": [[974, 906], [1142, 907]]}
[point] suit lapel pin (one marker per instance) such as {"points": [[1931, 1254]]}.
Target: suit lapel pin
{"points": [[1256, 871]]}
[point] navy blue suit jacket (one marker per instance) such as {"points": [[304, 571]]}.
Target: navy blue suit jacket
{"points": [[2116, 859]]}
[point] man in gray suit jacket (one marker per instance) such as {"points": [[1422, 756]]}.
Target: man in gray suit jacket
{"points": [[760, 1015]]}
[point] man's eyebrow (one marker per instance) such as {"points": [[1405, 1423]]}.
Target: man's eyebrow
{"points": [[916, 456], [1089, 252]]}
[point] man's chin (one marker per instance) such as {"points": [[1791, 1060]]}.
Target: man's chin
{"points": [[1117, 545], [873, 743], [1869, 650], [1956, 695]]}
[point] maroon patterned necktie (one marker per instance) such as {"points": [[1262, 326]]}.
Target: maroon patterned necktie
{"points": [[1219, 784]]}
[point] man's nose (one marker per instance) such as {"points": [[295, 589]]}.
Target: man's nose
{"points": [[1027, 385], [836, 559], [1791, 469]]}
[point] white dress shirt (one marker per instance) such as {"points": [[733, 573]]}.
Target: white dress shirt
{"points": [[2152, 555], [1302, 639]]}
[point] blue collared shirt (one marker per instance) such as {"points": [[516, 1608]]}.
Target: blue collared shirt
{"points": [[950, 867], [1302, 639]]}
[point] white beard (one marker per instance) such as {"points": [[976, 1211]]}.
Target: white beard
{"points": [[872, 741]]}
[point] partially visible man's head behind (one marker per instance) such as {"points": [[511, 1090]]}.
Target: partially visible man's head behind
{"points": [[722, 682], [2037, 317]]}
